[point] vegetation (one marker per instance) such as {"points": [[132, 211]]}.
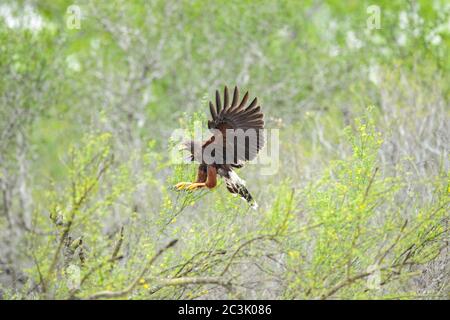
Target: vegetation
{"points": [[358, 208]]}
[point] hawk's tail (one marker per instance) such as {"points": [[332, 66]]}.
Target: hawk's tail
{"points": [[237, 187]]}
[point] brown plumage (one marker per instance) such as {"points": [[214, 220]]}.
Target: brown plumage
{"points": [[237, 138]]}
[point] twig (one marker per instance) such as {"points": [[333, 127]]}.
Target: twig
{"points": [[118, 245], [134, 283], [193, 280], [246, 243]]}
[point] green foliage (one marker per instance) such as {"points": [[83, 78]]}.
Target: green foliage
{"points": [[355, 228], [362, 226]]}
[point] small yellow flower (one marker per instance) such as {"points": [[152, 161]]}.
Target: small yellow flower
{"points": [[294, 254], [146, 286], [141, 281]]}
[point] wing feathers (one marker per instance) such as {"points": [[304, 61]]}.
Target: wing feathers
{"points": [[235, 98], [213, 111], [252, 104], [249, 111], [218, 103], [242, 104], [234, 116], [225, 98]]}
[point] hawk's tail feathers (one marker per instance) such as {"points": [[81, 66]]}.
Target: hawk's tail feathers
{"points": [[237, 187]]}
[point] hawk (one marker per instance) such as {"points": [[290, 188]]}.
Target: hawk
{"points": [[237, 137]]}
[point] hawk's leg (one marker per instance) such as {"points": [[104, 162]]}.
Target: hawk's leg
{"points": [[201, 177], [211, 180]]}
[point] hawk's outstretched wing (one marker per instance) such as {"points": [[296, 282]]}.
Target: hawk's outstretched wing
{"points": [[240, 126]]}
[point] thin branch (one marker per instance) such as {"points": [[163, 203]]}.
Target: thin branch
{"points": [[183, 281], [246, 243], [134, 283]]}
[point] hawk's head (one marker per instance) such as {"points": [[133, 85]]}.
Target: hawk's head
{"points": [[194, 148]]}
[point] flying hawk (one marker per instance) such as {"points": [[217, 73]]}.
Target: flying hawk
{"points": [[237, 138]]}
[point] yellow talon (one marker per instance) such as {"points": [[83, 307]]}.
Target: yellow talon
{"points": [[195, 186], [182, 185]]}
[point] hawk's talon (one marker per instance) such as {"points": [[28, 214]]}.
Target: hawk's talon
{"points": [[195, 186], [182, 185]]}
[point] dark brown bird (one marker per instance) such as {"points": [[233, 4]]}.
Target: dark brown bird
{"points": [[237, 138]]}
